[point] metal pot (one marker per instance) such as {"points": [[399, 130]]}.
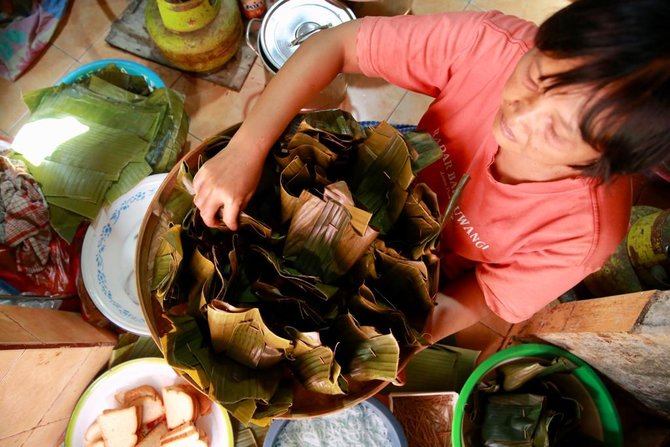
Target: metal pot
{"points": [[285, 26]]}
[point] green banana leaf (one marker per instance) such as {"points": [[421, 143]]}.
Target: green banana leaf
{"points": [[241, 389], [65, 222], [105, 137], [132, 83], [181, 345], [166, 263], [180, 201], [112, 91], [174, 122], [426, 148], [130, 176]]}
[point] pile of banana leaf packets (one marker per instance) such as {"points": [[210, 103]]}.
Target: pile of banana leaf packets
{"points": [[326, 284], [530, 402]]}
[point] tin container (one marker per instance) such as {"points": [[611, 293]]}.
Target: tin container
{"points": [[207, 47], [285, 26]]}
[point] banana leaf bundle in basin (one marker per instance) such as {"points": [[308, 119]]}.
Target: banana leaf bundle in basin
{"points": [[321, 295], [89, 142]]}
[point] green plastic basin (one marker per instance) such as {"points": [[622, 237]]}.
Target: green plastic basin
{"points": [[607, 414]]}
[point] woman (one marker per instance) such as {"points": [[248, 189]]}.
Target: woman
{"points": [[545, 122]]}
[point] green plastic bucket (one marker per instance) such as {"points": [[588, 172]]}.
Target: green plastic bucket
{"points": [[607, 415]]}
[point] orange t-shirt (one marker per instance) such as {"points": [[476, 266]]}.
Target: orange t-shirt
{"points": [[530, 242]]}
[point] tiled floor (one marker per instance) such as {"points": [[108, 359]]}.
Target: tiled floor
{"points": [[81, 39]]}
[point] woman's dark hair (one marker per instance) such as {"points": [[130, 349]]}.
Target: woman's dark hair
{"points": [[625, 46]]}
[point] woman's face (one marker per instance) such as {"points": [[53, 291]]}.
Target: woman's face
{"points": [[542, 127]]}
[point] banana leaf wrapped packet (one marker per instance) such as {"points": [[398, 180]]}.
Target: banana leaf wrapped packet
{"points": [[323, 291]]}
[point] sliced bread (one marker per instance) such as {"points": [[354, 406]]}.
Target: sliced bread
{"points": [[204, 402], [123, 397], [93, 432], [182, 436], [180, 406], [153, 438], [119, 427], [152, 408]]}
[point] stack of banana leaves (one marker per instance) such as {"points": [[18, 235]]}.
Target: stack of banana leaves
{"points": [[529, 403], [327, 283], [88, 143]]}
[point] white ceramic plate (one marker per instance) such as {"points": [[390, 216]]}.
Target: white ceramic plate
{"points": [[108, 256], [156, 372]]}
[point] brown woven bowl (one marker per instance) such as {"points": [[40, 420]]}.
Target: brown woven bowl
{"points": [[305, 403]]}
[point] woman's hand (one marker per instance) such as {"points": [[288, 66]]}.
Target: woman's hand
{"points": [[227, 180]]}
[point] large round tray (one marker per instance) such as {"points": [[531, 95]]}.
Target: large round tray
{"points": [[305, 403]]}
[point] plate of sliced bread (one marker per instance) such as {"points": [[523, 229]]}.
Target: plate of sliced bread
{"points": [[144, 403]]}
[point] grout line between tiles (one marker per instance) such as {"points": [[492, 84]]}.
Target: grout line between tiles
{"points": [[388, 118]]}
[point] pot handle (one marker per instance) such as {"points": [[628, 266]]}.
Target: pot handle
{"points": [[307, 29], [247, 36]]}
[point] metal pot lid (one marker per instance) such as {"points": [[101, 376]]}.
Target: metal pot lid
{"points": [[288, 23]]}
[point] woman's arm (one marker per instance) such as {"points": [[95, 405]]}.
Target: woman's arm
{"points": [[460, 305], [230, 178]]}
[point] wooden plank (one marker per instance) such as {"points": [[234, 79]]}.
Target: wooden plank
{"points": [[624, 337], [610, 314]]}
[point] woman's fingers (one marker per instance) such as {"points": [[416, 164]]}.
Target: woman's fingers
{"points": [[229, 214]]}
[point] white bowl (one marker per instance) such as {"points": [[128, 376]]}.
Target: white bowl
{"points": [[156, 372]]}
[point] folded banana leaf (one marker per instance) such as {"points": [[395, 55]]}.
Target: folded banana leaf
{"points": [[184, 349], [402, 284], [241, 389], [519, 373], [257, 347], [426, 148], [167, 261], [324, 239], [318, 371], [418, 227], [368, 354], [180, 201], [382, 175], [511, 419], [366, 310]]}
